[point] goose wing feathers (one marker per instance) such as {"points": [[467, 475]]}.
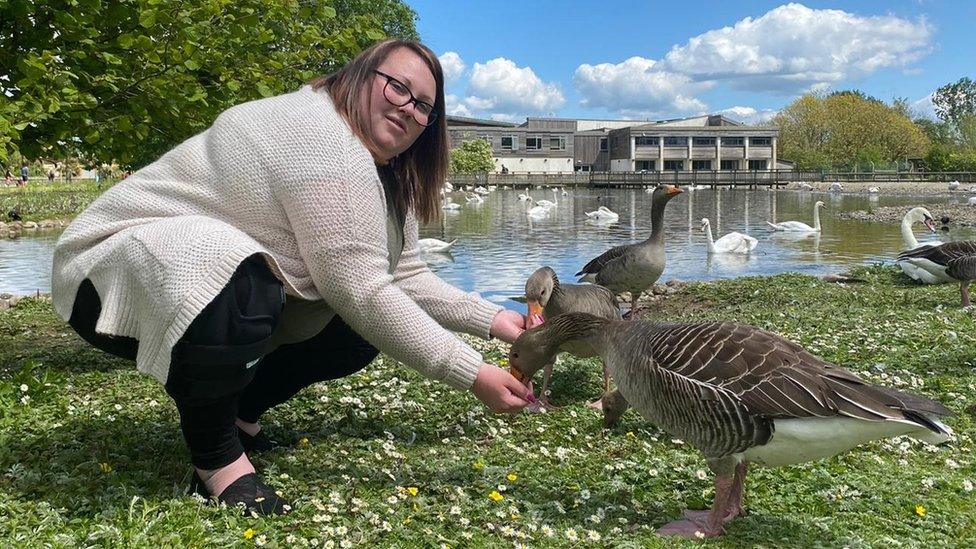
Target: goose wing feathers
{"points": [[774, 377], [599, 262], [962, 268], [943, 253]]}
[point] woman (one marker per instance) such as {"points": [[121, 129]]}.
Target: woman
{"points": [[245, 265]]}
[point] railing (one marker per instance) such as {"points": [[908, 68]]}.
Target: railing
{"points": [[722, 178]]}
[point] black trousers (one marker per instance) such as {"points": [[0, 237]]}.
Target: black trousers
{"points": [[220, 369]]}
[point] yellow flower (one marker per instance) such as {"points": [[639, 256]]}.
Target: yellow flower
{"points": [[920, 510], [512, 477], [412, 490], [478, 465], [106, 468], [630, 434], [249, 533], [303, 441], [495, 496]]}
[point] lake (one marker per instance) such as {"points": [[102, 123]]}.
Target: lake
{"points": [[499, 245]]}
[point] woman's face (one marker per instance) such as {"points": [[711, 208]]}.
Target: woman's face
{"points": [[393, 128]]}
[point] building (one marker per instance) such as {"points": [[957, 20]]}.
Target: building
{"points": [[563, 145]]}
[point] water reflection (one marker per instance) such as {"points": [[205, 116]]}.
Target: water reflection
{"points": [[499, 245]]}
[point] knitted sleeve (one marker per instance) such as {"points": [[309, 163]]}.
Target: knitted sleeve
{"points": [[339, 222], [452, 308]]}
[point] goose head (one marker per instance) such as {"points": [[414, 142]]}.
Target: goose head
{"points": [[613, 405], [921, 214], [539, 346], [664, 193], [538, 290]]}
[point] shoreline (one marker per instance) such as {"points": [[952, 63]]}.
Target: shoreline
{"points": [[905, 188]]}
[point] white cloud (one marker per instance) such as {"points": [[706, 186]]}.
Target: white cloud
{"points": [[453, 66], [454, 106], [636, 86], [790, 49], [749, 115], [793, 48], [503, 87], [925, 108]]}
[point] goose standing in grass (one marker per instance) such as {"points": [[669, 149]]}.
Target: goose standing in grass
{"points": [[634, 267], [920, 269], [799, 226], [737, 393], [952, 260], [433, 245], [547, 298], [732, 243], [603, 213]]}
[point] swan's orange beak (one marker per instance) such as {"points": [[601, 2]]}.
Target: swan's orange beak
{"points": [[673, 190]]}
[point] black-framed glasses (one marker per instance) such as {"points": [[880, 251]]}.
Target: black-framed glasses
{"points": [[397, 93]]}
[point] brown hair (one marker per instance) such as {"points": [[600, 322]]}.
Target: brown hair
{"points": [[422, 169]]}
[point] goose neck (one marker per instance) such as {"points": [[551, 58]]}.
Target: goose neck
{"points": [[657, 221]]}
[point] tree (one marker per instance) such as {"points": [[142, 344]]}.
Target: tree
{"points": [[126, 80], [955, 101], [472, 157], [847, 130]]}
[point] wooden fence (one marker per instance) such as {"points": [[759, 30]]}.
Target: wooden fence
{"points": [[718, 178]]}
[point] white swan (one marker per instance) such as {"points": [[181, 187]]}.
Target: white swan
{"points": [[450, 205], [448, 187], [799, 226], [971, 201], [873, 190], [804, 186], [603, 213], [433, 245], [481, 190], [538, 211], [523, 197], [836, 187], [474, 198], [732, 243], [920, 269], [953, 185]]}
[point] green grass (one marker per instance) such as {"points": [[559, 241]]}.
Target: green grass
{"points": [[91, 454], [37, 202]]}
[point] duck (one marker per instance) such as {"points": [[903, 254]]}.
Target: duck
{"points": [[546, 298], [921, 270], [955, 260], [634, 267], [799, 226], [741, 395], [732, 243], [433, 245], [603, 213]]}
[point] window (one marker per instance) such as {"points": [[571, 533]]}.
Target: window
{"points": [[603, 144], [644, 165], [732, 141], [703, 141], [509, 142], [730, 164], [701, 164], [760, 141], [674, 165], [557, 143], [583, 168], [757, 164], [533, 143], [675, 141], [643, 141]]}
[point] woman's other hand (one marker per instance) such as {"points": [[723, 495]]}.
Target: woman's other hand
{"points": [[507, 325], [499, 390]]}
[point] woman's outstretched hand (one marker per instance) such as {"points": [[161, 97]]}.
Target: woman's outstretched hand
{"points": [[499, 390], [507, 325]]}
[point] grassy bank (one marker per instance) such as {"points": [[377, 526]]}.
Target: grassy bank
{"points": [[38, 202], [90, 451]]}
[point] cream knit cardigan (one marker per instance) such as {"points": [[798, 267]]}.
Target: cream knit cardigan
{"points": [[286, 178]]}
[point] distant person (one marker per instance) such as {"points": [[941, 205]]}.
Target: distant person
{"points": [[8, 178], [504, 169], [24, 174], [294, 260], [50, 176]]}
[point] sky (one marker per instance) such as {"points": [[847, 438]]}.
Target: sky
{"points": [[646, 60]]}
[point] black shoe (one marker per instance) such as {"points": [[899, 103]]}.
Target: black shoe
{"points": [[248, 492], [257, 443]]}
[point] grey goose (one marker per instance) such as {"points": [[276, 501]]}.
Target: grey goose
{"points": [[634, 267], [738, 394], [955, 260], [546, 298]]}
